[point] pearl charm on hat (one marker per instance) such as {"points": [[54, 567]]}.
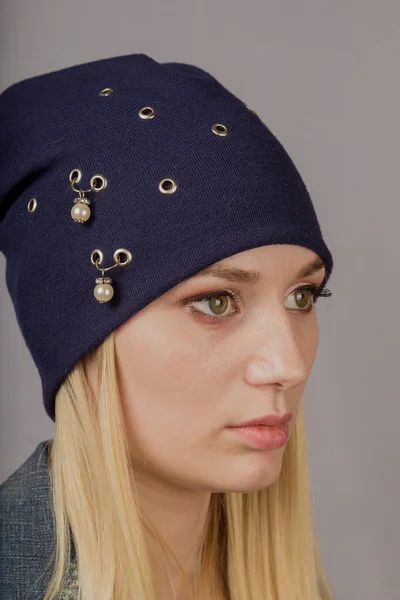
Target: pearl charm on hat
{"points": [[104, 291], [80, 211]]}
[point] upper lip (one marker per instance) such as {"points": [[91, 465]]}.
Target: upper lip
{"points": [[267, 420]]}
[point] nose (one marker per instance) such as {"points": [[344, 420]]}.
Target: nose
{"points": [[281, 355]]}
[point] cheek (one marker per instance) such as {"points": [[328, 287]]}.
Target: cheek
{"points": [[308, 338], [162, 381]]}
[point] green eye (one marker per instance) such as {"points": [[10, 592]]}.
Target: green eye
{"points": [[306, 297], [215, 305], [303, 298], [219, 304]]}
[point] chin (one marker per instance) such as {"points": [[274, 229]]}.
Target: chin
{"points": [[255, 475]]}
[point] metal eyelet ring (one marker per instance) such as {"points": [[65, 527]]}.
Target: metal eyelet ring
{"points": [[147, 112], [167, 186], [122, 251], [32, 204], [219, 129], [250, 109], [98, 183], [75, 176], [106, 92], [97, 257]]}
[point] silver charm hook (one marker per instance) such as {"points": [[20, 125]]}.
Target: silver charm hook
{"points": [[80, 211], [104, 291]]}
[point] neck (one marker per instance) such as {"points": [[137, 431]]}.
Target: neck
{"points": [[180, 518]]}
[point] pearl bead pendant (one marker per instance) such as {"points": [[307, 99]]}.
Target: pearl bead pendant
{"points": [[80, 211], [104, 291]]}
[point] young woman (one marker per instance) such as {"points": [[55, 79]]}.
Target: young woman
{"points": [[169, 303]]}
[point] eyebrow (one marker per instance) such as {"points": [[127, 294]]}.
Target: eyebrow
{"points": [[239, 275]]}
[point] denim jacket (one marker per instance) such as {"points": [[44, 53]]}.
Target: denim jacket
{"points": [[27, 532]]}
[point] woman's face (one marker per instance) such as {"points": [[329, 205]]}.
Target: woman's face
{"points": [[187, 371]]}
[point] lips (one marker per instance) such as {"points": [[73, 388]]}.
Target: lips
{"points": [[267, 420], [262, 436]]}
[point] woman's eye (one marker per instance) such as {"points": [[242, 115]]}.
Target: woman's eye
{"points": [[218, 303], [303, 298]]}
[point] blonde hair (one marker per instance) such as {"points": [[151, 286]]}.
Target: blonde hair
{"points": [[259, 544]]}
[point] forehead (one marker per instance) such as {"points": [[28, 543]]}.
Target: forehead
{"points": [[227, 269]]}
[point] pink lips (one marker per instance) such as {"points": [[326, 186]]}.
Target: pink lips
{"points": [[264, 436], [267, 433], [270, 420]]}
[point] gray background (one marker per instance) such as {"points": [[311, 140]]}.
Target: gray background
{"points": [[324, 76]]}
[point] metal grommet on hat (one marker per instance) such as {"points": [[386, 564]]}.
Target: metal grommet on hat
{"points": [[220, 129], [106, 92], [98, 183], [32, 205], [97, 257], [249, 108], [104, 291], [147, 112], [124, 253], [167, 186], [80, 212], [75, 176]]}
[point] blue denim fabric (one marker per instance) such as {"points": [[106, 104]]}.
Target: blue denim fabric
{"points": [[27, 533]]}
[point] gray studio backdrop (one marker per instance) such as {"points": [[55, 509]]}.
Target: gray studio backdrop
{"points": [[324, 76]]}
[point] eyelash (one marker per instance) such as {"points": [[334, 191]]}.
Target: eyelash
{"points": [[316, 292]]}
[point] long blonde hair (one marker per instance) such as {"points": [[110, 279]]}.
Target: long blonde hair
{"points": [[256, 545]]}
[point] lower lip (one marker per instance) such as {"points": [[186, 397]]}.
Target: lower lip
{"points": [[264, 436]]}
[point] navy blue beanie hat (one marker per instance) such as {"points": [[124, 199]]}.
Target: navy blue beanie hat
{"points": [[119, 179]]}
